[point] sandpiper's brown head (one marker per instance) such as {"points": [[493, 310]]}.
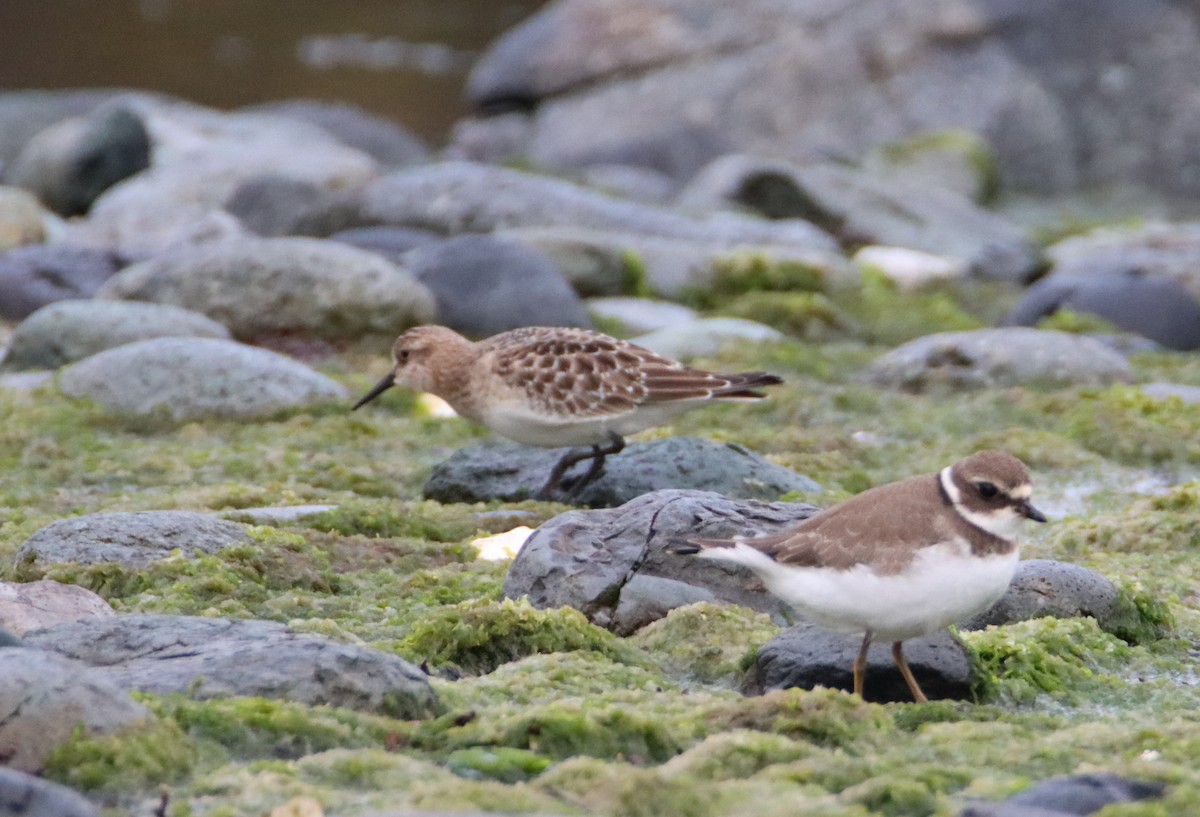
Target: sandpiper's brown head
{"points": [[420, 357]]}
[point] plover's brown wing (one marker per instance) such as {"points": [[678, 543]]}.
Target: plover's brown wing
{"points": [[883, 528]]}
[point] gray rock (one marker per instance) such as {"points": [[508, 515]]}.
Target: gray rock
{"points": [[1043, 587], [272, 205], [457, 197], [707, 336], [25, 382], [24, 114], [483, 286], [194, 378], [645, 599], [629, 181], [214, 658], [601, 261], [864, 209], [67, 331], [28, 606], [806, 656], [7, 639], [512, 472], [1155, 306], [955, 160], [1166, 391], [132, 539], [702, 78], [278, 515], [263, 286], [999, 357], [585, 559], [393, 243], [22, 220], [640, 315], [26, 795], [1156, 248], [44, 697], [386, 141], [31, 277], [71, 163], [1065, 796]]}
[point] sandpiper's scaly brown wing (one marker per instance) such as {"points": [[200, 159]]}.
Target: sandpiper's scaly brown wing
{"points": [[588, 374]]}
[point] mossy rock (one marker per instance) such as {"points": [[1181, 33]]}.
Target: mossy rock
{"points": [[496, 763], [809, 316], [136, 759], [706, 643]]}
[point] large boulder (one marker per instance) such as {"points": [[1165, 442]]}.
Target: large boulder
{"points": [[194, 378], [67, 331], [511, 472], [264, 286], [45, 697], [1044, 587], [1063, 99], [214, 658], [999, 357], [27, 795], [587, 559], [130, 538], [34, 605]]}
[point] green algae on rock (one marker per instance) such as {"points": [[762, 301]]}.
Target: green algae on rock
{"points": [[705, 643], [135, 759]]}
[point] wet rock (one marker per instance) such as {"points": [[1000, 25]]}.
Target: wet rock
{"points": [[706, 336], [67, 331], [33, 605], [862, 208], [457, 197], [45, 697], [193, 378], [22, 220], [28, 795], [807, 656], [132, 539], [213, 658], [512, 472], [264, 286], [483, 284], [388, 142], [7, 639], [1155, 306], [71, 163], [24, 114], [393, 243], [645, 599], [998, 357], [687, 82], [621, 262], [586, 559], [31, 277], [1166, 391], [1152, 249], [272, 205], [1066, 796], [637, 316], [1043, 587]]}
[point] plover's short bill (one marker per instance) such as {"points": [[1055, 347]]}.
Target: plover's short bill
{"points": [[557, 387], [899, 560]]}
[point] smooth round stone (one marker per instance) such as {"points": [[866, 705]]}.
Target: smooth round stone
{"points": [[640, 315], [706, 337]]}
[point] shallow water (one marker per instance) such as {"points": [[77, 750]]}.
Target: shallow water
{"points": [[405, 59]]}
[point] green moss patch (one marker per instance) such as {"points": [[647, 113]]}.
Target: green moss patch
{"points": [[705, 643], [135, 759]]}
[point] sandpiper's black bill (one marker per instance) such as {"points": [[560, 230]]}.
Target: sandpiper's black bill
{"points": [[380, 388], [1030, 512]]}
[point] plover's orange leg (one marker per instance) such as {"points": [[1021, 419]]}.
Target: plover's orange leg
{"points": [[860, 664], [902, 664]]}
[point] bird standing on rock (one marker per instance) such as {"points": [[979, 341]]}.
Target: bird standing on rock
{"points": [[899, 560], [555, 387]]}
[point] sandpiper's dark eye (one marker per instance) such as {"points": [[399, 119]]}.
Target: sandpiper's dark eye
{"points": [[402, 356], [986, 489]]}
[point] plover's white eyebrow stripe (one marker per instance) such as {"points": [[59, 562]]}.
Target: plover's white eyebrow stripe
{"points": [[949, 487], [1022, 491]]}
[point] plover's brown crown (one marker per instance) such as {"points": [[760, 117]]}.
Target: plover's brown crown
{"points": [[886, 526]]}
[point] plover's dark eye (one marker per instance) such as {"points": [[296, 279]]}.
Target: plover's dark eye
{"points": [[986, 489], [402, 355]]}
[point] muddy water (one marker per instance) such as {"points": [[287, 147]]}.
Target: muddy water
{"points": [[405, 59]]}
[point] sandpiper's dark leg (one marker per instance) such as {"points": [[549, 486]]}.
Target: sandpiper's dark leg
{"points": [[596, 454], [860, 664], [902, 664]]}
